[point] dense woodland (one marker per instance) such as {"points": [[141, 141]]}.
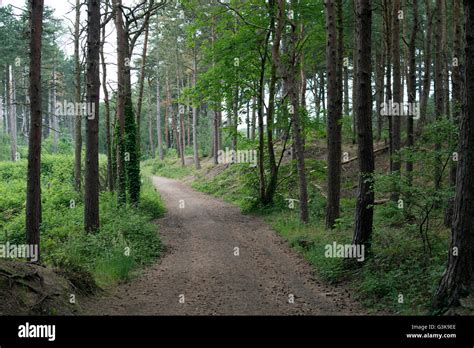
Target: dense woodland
{"points": [[359, 113]]}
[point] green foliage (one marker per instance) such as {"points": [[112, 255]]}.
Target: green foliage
{"points": [[421, 204], [120, 178], [132, 164], [400, 263], [161, 168], [64, 243]]}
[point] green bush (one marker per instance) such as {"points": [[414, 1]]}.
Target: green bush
{"points": [[127, 237]]}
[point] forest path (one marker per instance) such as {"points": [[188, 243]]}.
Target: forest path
{"points": [[200, 263]]}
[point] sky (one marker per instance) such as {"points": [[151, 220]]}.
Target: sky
{"points": [[64, 10]]}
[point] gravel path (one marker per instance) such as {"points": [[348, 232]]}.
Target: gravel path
{"points": [[220, 262]]}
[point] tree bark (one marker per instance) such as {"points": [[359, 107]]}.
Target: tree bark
{"points": [[365, 194], [254, 118], [354, 90], [150, 123], [33, 195], [380, 74], [427, 65], [110, 171], [78, 118], [440, 103], [53, 116], [12, 114], [121, 95], [334, 136], [142, 78], [290, 74], [158, 108], [397, 95], [388, 50], [457, 280], [91, 192], [411, 90], [195, 115]]}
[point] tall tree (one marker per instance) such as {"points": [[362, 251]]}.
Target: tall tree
{"points": [[91, 193], [108, 137], [387, 19], [365, 193], [150, 122], [457, 280], [78, 119], [158, 106], [33, 186], [411, 87], [440, 65], [142, 76], [379, 87], [397, 94], [12, 113], [195, 114], [289, 70], [121, 95], [457, 97], [426, 86], [334, 114]]}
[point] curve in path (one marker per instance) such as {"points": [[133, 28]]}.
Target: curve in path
{"points": [[202, 269]]}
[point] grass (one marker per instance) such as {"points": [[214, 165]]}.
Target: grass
{"points": [[161, 168], [127, 238], [400, 276]]}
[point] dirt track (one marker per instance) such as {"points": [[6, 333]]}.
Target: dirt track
{"points": [[200, 263]]}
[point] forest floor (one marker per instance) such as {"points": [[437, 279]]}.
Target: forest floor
{"points": [[202, 273]]}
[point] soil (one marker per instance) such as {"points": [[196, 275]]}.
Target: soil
{"points": [[220, 262]]}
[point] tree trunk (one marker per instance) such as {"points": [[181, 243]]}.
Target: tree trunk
{"points": [[379, 88], [195, 115], [457, 281], [354, 90], [365, 194], [427, 65], [270, 188], [334, 136], [121, 179], [142, 79], [78, 118], [388, 50], [53, 116], [167, 114], [457, 98], [440, 103], [12, 114], [150, 123], [110, 171], [33, 195], [188, 121], [346, 91], [254, 118], [397, 95], [290, 74], [260, 113], [412, 86], [215, 128], [91, 192], [158, 109]]}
